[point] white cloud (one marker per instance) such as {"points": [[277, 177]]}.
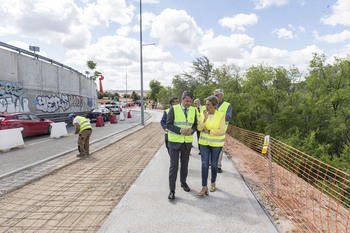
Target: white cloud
{"points": [[261, 4], [291, 33], [104, 12], [114, 53], [123, 31], [283, 33], [341, 12], [223, 48], [333, 38], [176, 27], [239, 22]]}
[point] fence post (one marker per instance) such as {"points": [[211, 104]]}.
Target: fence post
{"points": [[267, 148], [270, 168]]}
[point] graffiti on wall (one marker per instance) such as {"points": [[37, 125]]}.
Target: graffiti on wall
{"points": [[10, 88], [54, 103], [14, 102], [17, 104]]}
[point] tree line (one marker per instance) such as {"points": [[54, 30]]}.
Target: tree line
{"points": [[308, 112]]}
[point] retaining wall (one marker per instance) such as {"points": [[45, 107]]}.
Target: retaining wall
{"points": [[31, 85]]}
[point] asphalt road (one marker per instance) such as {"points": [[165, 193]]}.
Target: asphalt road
{"points": [[41, 147]]}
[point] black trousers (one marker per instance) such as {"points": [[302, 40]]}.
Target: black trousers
{"points": [[183, 153]]}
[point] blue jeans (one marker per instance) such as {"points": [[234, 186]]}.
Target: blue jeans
{"points": [[206, 153]]}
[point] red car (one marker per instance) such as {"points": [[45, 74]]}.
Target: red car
{"points": [[31, 124]]}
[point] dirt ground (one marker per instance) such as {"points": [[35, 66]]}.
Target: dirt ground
{"points": [[79, 197], [247, 162]]}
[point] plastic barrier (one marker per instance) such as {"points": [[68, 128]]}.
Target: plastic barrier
{"points": [[11, 138], [113, 119], [99, 121], [122, 118], [129, 114], [58, 130]]}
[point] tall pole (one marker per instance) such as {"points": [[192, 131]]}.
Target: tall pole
{"points": [[141, 67], [126, 85]]}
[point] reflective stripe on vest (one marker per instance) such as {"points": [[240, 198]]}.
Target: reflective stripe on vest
{"points": [[181, 122], [215, 141], [84, 123], [223, 108], [166, 111]]}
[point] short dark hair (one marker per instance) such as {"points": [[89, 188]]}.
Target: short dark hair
{"points": [[173, 100], [187, 93]]}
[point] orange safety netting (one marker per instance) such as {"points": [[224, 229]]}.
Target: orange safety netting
{"points": [[315, 195]]}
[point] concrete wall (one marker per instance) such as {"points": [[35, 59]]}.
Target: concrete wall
{"points": [[31, 85]]}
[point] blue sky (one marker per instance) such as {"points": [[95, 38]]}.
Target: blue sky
{"points": [[239, 32]]}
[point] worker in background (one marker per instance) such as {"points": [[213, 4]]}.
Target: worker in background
{"points": [[173, 101], [226, 109], [199, 109], [84, 129]]}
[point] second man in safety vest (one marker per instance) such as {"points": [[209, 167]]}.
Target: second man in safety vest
{"points": [[181, 123], [226, 109]]}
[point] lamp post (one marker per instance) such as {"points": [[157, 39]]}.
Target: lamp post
{"points": [[126, 85], [141, 67]]}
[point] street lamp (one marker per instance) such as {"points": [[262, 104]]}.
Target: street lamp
{"points": [[141, 68]]}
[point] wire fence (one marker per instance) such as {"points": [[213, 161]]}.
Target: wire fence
{"points": [[314, 195]]}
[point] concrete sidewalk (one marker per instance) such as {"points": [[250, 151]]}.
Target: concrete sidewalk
{"points": [[146, 208]]}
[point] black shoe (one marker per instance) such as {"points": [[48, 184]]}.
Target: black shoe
{"points": [[171, 195], [185, 187], [219, 170], [80, 155]]}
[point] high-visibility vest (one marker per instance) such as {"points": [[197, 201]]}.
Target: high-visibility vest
{"points": [[207, 140], [84, 123], [223, 108], [166, 111], [181, 122], [199, 113]]}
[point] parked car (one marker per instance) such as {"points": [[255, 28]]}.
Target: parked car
{"points": [[109, 104], [115, 109], [31, 123], [104, 112]]}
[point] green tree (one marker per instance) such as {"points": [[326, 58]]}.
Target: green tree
{"points": [[155, 88], [135, 96], [92, 66]]}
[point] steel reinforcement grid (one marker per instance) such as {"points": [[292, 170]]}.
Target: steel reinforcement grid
{"points": [[314, 195]]}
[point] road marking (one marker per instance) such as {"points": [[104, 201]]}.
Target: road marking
{"points": [[39, 142]]}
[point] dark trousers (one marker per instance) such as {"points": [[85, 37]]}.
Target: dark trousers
{"points": [[183, 154], [198, 134]]}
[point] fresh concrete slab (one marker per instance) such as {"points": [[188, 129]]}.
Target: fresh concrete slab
{"points": [[146, 208]]}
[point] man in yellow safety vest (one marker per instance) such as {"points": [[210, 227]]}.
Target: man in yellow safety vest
{"points": [[173, 101], [84, 129], [181, 123]]}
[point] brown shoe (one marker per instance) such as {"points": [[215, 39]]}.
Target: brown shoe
{"points": [[203, 192]]}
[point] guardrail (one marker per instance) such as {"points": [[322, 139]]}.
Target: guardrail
{"points": [[61, 117], [37, 56], [314, 195]]}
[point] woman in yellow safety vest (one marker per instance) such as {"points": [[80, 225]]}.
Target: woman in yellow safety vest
{"points": [[211, 141]]}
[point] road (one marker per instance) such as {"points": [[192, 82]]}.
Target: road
{"points": [[41, 148]]}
